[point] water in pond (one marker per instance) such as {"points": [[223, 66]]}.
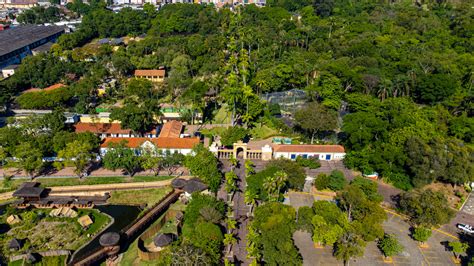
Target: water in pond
{"points": [[123, 216]]}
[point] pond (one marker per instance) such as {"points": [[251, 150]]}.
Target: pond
{"points": [[123, 216]]}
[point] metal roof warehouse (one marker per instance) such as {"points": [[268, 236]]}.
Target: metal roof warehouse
{"points": [[17, 42]]}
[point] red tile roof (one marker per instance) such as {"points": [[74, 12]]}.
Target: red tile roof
{"points": [[150, 72], [160, 143], [171, 129], [99, 128], [308, 148]]}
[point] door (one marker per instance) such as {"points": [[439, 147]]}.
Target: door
{"points": [[328, 157]]}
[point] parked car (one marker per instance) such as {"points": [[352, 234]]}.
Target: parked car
{"points": [[466, 228]]}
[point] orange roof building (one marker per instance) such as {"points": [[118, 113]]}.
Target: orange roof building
{"points": [[154, 75], [171, 129], [104, 130], [180, 145]]}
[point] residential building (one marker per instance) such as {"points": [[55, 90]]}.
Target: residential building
{"points": [[18, 42], [102, 117], [171, 113], [171, 130], [173, 145], [153, 75]]}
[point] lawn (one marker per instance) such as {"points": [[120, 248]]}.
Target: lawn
{"points": [[57, 182], [41, 232], [262, 132], [138, 197], [222, 116]]}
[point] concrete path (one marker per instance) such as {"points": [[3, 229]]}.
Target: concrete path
{"points": [[89, 190], [240, 215]]}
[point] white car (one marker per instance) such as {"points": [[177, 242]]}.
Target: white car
{"points": [[466, 228]]}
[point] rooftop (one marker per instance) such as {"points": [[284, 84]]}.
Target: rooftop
{"points": [[29, 192], [150, 72], [308, 148], [109, 239], [109, 128], [20, 36], [162, 240], [160, 143], [171, 129], [194, 185]]}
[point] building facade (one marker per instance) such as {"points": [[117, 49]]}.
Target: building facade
{"points": [[153, 75], [18, 42]]}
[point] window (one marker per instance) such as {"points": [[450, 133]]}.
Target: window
{"points": [[305, 156], [293, 156]]}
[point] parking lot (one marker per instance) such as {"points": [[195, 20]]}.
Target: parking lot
{"points": [[435, 254]]}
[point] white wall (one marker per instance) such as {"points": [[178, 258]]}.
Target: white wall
{"points": [[322, 156]]}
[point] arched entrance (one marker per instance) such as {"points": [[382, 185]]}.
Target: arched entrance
{"points": [[240, 153], [240, 150]]}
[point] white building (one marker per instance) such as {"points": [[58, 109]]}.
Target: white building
{"points": [[321, 152], [9, 70], [173, 145]]}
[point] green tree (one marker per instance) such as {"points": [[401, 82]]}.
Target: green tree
{"points": [[29, 158], [390, 246], [421, 234], [138, 118], [273, 239], [348, 246], [119, 156], [426, 207], [315, 118], [151, 161], [324, 233], [171, 161], [55, 121], [230, 181], [76, 153], [458, 248], [204, 165], [232, 135], [296, 174], [274, 184]]}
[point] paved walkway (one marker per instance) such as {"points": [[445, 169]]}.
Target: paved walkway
{"points": [[95, 189], [96, 172], [240, 215]]}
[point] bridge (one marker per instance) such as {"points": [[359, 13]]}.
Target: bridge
{"points": [[129, 233]]}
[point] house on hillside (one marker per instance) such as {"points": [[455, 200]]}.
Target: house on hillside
{"points": [[153, 75]]}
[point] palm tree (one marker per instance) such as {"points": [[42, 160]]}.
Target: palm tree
{"points": [[273, 185], [250, 197]]}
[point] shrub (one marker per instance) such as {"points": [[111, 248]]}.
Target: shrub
{"points": [[321, 182], [311, 163], [305, 216], [337, 180]]}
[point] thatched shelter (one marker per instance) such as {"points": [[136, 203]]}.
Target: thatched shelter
{"points": [[194, 185], [109, 239], [178, 183], [163, 240], [14, 244]]}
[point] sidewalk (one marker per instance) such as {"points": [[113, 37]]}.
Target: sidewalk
{"points": [[102, 188], [68, 172]]}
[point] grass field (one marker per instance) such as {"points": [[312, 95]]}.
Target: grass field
{"points": [[56, 182], [138, 197]]}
